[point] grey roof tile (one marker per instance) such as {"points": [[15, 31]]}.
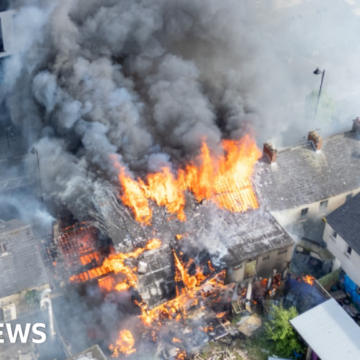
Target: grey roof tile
{"points": [[21, 266], [303, 176], [345, 220]]}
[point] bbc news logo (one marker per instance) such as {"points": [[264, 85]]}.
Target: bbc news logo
{"points": [[18, 331]]}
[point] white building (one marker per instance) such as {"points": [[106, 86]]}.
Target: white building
{"points": [[342, 237], [310, 181]]}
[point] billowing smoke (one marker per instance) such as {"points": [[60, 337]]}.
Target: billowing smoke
{"points": [[149, 81], [146, 81]]}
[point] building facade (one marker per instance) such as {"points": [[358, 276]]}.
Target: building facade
{"points": [[342, 237]]}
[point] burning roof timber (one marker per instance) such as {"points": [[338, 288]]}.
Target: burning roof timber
{"points": [[21, 266], [302, 175]]}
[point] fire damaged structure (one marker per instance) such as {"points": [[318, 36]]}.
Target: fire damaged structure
{"points": [[21, 267]]}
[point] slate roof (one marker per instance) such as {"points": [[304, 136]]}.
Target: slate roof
{"points": [[93, 353], [21, 266], [257, 233], [303, 176], [345, 220], [329, 331]]}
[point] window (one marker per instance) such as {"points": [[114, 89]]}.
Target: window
{"points": [[2, 249], [304, 213], [348, 197], [266, 258], [333, 234], [282, 252], [348, 250], [323, 205]]}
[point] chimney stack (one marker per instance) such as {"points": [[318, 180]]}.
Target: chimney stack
{"points": [[316, 139], [270, 152], [356, 126]]}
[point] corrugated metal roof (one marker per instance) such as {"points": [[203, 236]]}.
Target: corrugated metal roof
{"points": [[329, 331]]}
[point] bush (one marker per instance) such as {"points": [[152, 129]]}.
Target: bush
{"points": [[32, 297], [282, 335]]}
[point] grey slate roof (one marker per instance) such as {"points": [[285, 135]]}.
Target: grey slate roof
{"points": [[329, 331], [257, 233], [93, 353], [345, 220], [21, 267], [303, 176]]}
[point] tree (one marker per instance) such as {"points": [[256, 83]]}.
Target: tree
{"points": [[279, 330], [32, 297]]}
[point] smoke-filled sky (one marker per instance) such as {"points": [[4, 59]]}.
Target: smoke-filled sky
{"points": [[148, 80]]}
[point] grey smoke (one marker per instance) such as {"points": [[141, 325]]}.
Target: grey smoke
{"points": [[149, 81]]}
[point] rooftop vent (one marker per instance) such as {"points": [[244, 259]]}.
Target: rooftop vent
{"points": [[316, 139], [270, 152]]}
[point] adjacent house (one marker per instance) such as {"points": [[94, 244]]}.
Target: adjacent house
{"points": [[342, 237], [21, 267], [311, 180]]}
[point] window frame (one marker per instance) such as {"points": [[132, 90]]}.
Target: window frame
{"points": [[322, 208], [333, 234], [303, 213], [347, 252]]}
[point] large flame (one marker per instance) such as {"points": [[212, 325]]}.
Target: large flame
{"points": [[193, 289], [116, 264], [124, 344], [224, 179]]}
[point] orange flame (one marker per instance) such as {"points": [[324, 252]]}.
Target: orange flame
{"points": [[166, 191], [134, 197], [224, 179], [124, 344], [308, 279], [116, 264], [181, 355]]}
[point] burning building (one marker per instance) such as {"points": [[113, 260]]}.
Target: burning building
{"points": [[182, 261], [147, 145]]}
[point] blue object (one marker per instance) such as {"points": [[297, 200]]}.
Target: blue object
{"points": [[350, 288]]}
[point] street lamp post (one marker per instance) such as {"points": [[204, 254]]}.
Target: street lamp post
{"points": [[34, 151], [318, 72]]}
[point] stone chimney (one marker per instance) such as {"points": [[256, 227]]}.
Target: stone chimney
{"points": [[356, 126], [270, 152], [316, 139]]}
